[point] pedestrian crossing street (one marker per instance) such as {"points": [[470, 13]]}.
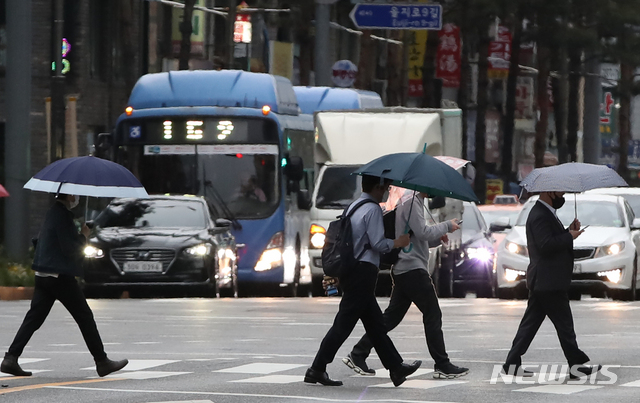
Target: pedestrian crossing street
{"points": [[288, 373]]}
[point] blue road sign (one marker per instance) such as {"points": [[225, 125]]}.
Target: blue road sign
{"points": [[395, 16]]}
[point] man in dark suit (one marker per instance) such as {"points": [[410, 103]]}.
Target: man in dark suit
{"points": [[57, 263], [548, 279]]}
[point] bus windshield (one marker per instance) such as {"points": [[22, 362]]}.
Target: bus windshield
{"points": [[243, 175]]}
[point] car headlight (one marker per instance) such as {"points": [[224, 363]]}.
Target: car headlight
{"points": [[318, 235], [92, 252], [610, 250], [512, 275], [611, 275], [516, 249], [481, 254], [272, 255], [199, 250]]}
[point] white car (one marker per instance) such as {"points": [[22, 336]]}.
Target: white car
{"points": [[631, 195], [605, 255]]}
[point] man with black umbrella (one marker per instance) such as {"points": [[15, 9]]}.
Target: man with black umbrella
{"points": [[57, 262], [548, 280]]}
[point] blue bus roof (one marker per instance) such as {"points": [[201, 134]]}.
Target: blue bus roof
{"points": [[228, 88], [314, 99]]}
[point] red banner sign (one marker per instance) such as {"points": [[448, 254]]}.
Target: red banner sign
{"points": [[500, 54], [448, 57]]}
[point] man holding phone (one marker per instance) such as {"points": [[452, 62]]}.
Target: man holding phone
{"points": [[548, 280], [412, 284]]}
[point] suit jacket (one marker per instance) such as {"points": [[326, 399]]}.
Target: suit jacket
{"points": [[59, 249], [550, 251]]}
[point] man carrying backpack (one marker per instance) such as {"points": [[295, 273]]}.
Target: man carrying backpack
{"points": [[358, 289], [412, 283]]}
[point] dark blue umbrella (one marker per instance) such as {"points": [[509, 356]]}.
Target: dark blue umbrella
{"points": [[87, 176], [420, 172]]}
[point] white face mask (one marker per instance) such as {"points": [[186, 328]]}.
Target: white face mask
{"points": [[74, 203]]}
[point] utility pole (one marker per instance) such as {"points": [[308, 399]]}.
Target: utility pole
{"points": [[322, 62], [592, 95], [57, 87], [231, 45], [17, 145]]}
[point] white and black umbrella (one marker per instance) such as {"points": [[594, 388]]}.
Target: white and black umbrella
{"points": [[87, 176]]}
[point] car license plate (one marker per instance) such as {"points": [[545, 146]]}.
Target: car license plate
{"points": [[577, 268], [142, 267]]}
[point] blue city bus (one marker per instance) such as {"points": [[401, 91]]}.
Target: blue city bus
{"points": [[236, 138], [317, 99]]}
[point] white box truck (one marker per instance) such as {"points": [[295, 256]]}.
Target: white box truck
{"points": [[346, 140]]}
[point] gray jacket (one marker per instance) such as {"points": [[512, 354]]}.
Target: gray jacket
{"points": [[417, 256]]}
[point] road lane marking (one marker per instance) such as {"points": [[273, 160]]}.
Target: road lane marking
{"points": [[272, 379], [258, 395], [137, 365], [420, 384], [144, 375], [56, 384], [260, 368], [558, 389]]}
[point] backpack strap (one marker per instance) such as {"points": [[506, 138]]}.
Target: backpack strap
{"points": [[357, 206]]}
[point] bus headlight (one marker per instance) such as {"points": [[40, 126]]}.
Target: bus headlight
{"points": [[318, 235], [199, 250], [92, 252], [272, 255]]}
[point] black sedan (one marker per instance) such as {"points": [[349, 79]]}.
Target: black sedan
{"points": [[161, 241], [473, 269]]}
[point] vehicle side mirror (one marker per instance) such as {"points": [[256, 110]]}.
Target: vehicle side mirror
{"points": [[635, 224], [304, 199], [437, 202], [294, 170], [223, 222], [501, 224]]}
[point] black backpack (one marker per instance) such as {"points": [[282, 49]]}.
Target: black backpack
{"points": [[337, 253]]}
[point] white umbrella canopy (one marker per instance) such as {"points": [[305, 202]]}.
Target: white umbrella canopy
{"points": [[572, 177]]}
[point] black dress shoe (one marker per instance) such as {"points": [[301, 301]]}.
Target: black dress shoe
{"points": [[578, 371], [106, 366], [10, 366], [313, 376], [399, 375], [516, 370]]}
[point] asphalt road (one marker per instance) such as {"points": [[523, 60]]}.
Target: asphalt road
{"points": [[257, 350]]}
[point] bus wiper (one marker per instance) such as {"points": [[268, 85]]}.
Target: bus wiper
{"points": [[223, 205]]}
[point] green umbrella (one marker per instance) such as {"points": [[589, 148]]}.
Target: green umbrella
{"points": [[420, 172]]}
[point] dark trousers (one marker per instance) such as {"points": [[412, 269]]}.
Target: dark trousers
{"points": [[358, 302], [66, 290], [555, 305], [415, 287]]}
